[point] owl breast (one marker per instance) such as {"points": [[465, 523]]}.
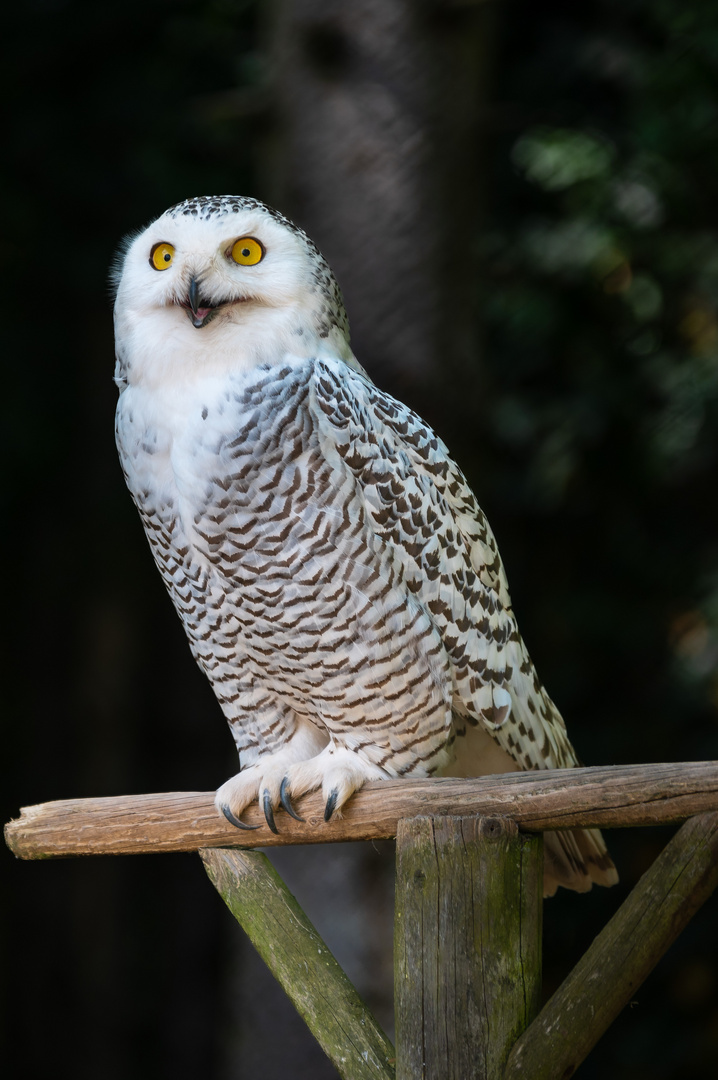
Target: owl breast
{"points": [[262, 536]]}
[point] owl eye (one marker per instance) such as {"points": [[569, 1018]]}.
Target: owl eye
{"points": [[247, 251], [162, 255]]}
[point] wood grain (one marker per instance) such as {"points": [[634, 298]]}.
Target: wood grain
{"points": [[609, 796], [620, 958], [467, 945]]}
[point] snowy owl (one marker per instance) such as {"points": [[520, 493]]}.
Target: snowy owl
{"points": [[336, 578]]}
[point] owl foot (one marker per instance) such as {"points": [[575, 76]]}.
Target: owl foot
{"points": [[286, 801], [265, 782], [269, 809], [235, 820], [273, 782], [339, 772], [331, 805]]}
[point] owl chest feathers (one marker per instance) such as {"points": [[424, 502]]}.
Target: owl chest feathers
{"points": [[238, 486], [260, 533]]}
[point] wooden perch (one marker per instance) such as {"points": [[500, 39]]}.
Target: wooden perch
{"points": [[610, 796]]}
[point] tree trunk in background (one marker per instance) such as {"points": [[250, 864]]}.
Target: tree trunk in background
{"points": [[373, 150]]}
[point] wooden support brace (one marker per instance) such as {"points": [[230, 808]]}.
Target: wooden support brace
{"points": [[605, 979], [467, 945], [301, 962]]}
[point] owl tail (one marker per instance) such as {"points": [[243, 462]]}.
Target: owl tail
{"points": [[575, 859]]}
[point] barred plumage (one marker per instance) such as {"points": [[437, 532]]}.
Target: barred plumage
{"points": [[336, 578]]}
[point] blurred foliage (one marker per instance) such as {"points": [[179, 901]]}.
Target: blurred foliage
{"points": [[599, 295]]}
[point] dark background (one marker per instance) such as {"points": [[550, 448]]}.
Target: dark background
{"points": [[523, 212]]}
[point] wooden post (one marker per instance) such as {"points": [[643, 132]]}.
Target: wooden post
{"points": [[467, 945]]}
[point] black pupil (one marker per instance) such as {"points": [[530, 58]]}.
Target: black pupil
{"points": [[245, 252], [166, 256]]}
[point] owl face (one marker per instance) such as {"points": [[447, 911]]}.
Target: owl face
{"points": [[218, 278]]}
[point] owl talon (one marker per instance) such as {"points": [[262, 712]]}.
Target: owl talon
{"points": [[286, 801], [331, 804], [268, 812], [235, 820]]}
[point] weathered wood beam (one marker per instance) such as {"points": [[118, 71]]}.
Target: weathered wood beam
{"points": [[605, 979], [301, 962], [467, 945], [611, 796]]}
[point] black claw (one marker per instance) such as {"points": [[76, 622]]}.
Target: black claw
{"points": [[235, 820], [286, 801], [331, 804], [268, 812]]}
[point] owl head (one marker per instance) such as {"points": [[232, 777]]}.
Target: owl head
{"points": [[218, 283]]}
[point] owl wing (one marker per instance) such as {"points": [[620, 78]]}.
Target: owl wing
{"points": [[417, 501]]}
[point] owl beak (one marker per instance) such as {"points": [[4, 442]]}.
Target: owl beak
{"points": [[198, 310]]}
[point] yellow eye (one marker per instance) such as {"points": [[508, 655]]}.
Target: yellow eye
{"points": [[247, 251], [162, 255]]}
